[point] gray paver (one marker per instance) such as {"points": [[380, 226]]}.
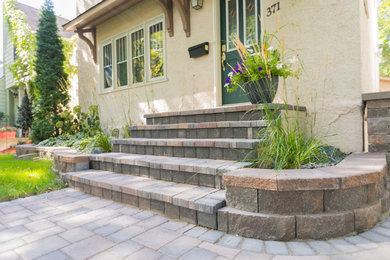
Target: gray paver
{"points": [[125, 248], [252, 245], [41, 247], [323, 248], [276, 248], [230, 241], [361, 242], [88, 247], [300, 249], [343, 245], [57, 255], [145, 254], [76, 234], [180, 246], [156, 237], [247, 255], [126, 233], [198, 253], [196, 231], [211, 236], [174, 225]]}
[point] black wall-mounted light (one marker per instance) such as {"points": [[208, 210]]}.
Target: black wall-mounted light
{"points": [[197, 4]]}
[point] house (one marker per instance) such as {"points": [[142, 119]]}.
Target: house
{"points": [[2, 93], [133, 57], [13, 95], [384, 83]]}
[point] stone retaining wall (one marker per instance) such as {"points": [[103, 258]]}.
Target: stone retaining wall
{"points": [[307, 204], [378, 121]]}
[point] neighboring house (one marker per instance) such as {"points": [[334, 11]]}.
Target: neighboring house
{"points": [[2, 93], [384, 84], [133, 57], [13, 95]]}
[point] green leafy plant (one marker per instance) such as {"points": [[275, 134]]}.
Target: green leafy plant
{"points": [[25, 115], [384, 36], [261, 60], [8, 129], [288, 143], [2, 116]]}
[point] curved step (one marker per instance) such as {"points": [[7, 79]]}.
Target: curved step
{"points": [[200, 172], [197, 205], [225, 149]]}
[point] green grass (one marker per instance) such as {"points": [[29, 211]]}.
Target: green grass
{"points": [[21, 178]]}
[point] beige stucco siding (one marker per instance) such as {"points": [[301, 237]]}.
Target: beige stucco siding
{"points": [[189, 83]]}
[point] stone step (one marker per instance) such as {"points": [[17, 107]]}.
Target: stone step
{"points": [[225, 113], [225, 149], [200, 172], [223, 129], [197, 205]]}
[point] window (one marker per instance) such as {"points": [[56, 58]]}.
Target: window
{"points": [[250, 22], [135, 57], [121, 61], [107, 65], [156, 50], [138, 56]]}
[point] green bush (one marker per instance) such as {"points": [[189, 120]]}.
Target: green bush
{"points": [[2, 115]]}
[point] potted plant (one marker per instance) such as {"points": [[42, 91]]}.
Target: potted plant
{"points": [[258, 71]]}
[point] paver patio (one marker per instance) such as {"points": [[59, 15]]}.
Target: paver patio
{"points": [[68, 224]]}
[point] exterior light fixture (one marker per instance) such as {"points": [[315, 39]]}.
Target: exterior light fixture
{"points": [[197, 4]]}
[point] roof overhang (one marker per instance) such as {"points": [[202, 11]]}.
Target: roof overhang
{"points": [[98, 14]]}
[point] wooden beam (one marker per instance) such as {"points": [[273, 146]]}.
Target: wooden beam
{"points": [[184, 11], [167, 8], [92, 45]]}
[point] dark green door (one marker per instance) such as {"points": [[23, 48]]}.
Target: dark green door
{"points": [[238, 17]]}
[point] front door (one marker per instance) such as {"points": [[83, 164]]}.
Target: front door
{"points": [[241, 18]]}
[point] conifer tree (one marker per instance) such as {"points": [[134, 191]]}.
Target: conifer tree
{"points": [[24, 115], [51, 86]]}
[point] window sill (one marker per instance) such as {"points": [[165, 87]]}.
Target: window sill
{"points": [[135, 86]]}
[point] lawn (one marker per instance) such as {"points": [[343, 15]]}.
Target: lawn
{"points": [[21, 178]]}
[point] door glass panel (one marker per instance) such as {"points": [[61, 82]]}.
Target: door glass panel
{"points": [[250, 22], [232, 22]]}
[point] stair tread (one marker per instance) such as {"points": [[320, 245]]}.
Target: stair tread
{"points": [[187, 142], [203, 199], [203, 125], [204, 166]]}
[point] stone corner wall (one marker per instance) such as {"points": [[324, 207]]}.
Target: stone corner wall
{"points": [[378, 122]]}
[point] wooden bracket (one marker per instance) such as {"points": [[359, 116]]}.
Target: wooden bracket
{"points": [[91, 45], [167, 7], [184, 11]]}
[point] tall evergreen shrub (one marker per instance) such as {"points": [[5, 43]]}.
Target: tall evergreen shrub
{"points": [[51, 86]]}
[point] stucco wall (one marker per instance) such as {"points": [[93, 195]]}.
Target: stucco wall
{"points": [[328, 38], [384, 84], [189, 83]]}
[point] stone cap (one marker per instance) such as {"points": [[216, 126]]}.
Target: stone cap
{"points": [[224, 109], [355, 170], [222, 124], [376, 96]]}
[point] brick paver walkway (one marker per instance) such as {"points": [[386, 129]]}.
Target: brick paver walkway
{"points": [[68, 224]]}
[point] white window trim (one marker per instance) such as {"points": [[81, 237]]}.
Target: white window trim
{"points": [[148, 80]]}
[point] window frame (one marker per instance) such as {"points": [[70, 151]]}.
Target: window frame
{"points": [[102, 67], [120, 36], [146, 25]]}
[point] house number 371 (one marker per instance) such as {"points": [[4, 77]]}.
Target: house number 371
{"points": [[273, 8]]}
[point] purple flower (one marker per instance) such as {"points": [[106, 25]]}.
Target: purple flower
{"points": [[241, 60], [237, 67], [260, 68], [228, 80]]}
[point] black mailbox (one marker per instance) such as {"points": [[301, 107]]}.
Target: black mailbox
{"points": [[199, 50]]}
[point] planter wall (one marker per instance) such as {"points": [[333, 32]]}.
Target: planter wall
{"points": [[307, 204], [7, 135]]}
